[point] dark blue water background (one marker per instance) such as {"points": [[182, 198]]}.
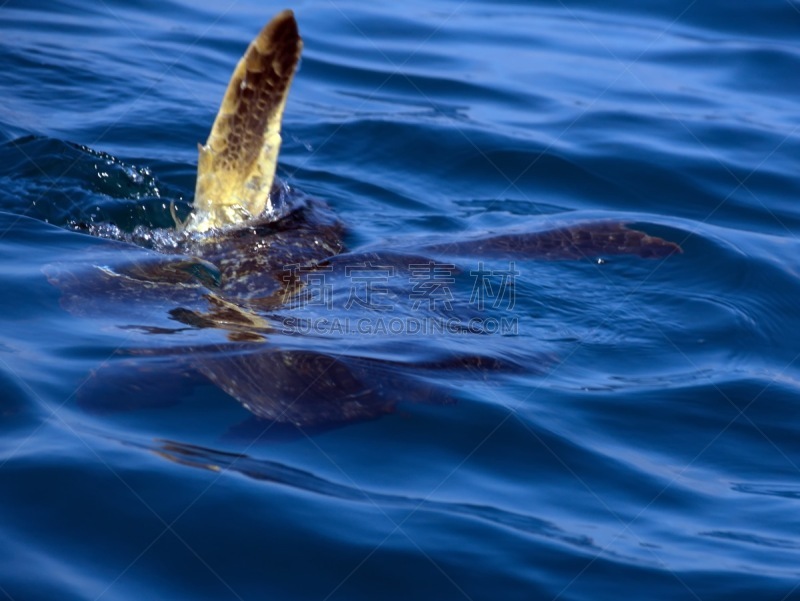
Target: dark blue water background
{"points": [[649, 449]]}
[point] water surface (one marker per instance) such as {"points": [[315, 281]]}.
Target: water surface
{"points": [[648, 447]]}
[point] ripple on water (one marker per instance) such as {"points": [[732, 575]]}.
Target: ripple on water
{"points": [[637, 437]]}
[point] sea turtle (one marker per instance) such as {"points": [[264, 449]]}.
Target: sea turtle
{"points": [[231, 275]]}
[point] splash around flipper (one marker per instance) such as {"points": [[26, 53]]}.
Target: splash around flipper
{"points": [[236, 166]]}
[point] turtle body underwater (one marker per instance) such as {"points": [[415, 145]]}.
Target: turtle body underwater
{"points": [[249, 258]]}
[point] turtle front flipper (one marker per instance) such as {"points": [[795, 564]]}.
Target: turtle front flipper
{"points": [[579, 241], [236, 167]]}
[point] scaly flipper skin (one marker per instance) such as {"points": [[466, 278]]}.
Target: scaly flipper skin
{"points": [[236, 167]]}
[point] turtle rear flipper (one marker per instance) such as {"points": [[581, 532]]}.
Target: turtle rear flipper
{"points": [[310, 388], [298, 386]]}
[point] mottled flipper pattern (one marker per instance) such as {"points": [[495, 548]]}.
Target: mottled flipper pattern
{"points": [[236, 167]]}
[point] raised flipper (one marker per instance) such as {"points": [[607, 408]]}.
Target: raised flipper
{"points": [[236, 167], [581, 241]]}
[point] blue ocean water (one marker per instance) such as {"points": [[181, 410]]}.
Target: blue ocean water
{"points": [[649, 447]]}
